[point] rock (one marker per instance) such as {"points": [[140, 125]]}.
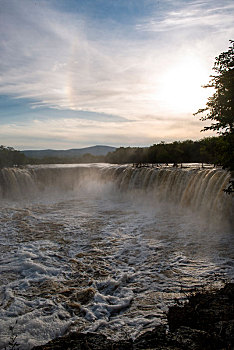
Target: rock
{"points": [[194, 339], [152, 339], [85, 341], [212, 312]]}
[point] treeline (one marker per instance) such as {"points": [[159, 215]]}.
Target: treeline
{"points": [[212, 150], [9, 157], [85, 158], [208, 150]]}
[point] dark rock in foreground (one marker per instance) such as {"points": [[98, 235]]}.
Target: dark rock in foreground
{"points": [[84, 341], [212, 313], [206, 322]]}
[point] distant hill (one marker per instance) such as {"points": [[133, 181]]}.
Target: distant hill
{"points": [[69, 153]]}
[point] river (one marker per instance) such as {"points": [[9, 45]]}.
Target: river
{"points": [[107, 248]]}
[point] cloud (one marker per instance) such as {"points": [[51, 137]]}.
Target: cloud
{"points": [[108, 72], [68, 133], [199, 14], [47, 57], [51, 58]]}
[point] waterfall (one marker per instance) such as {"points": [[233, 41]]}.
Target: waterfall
{"points": [[198, 189]]}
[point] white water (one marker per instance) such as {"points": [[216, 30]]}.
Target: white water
{"points": [[107, 248]]}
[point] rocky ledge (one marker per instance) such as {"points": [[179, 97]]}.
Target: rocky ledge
{"points": [[205, 322]]}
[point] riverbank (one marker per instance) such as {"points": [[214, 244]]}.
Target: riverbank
{"points": [[205, 322]]}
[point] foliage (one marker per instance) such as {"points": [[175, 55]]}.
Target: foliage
{"points": [[85, 158], [220, 106], [213, 150], [207, 150], [204, 151], [10, 157]]}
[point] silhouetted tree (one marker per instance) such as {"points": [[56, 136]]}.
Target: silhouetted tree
{"points": [[220, 106], [10, 157]]}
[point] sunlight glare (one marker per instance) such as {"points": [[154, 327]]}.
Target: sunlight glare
{"points": [[181, 86]]}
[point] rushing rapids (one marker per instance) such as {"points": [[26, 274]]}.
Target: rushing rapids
{"points": [[107, 248]]}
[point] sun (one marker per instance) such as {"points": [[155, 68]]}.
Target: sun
{"points": [[181, 86]]}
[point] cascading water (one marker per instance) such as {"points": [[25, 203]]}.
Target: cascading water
{"points": [[198, 189], [107, 248]]}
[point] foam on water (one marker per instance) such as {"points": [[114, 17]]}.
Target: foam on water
{"points": [[106, 248]]}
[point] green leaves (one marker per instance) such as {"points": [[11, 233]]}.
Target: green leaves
{"points": [[220, 106], [10, 157]]}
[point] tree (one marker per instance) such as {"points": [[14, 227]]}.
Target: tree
{"points": [[10, 157], [220, 106]]}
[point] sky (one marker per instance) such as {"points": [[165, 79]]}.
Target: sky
{"points": [[78, 73]]}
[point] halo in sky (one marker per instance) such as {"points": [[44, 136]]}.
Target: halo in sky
{"points": [[107, 72]]}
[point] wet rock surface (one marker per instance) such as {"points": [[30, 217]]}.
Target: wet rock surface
{"points": [[206, 321]]}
